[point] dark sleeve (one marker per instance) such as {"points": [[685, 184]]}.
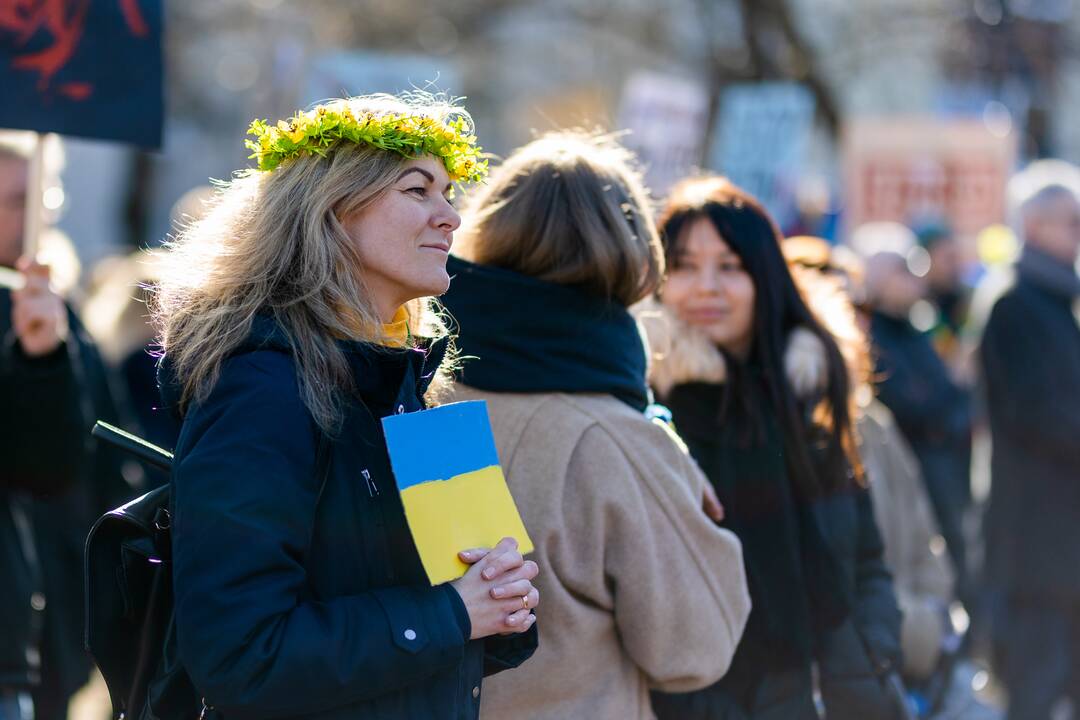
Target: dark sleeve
{"points": [[876, 612], [244, 499], [1030, 396], [923, 402], [506, 653], [43, 431]]}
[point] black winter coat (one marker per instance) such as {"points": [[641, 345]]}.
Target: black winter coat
{"points": [[56, 482], [298, 600], [933, 412], [861, 587], [1030, 356]]}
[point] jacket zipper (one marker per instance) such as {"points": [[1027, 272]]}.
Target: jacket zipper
{"points": [[380, 522], [372, 488]]}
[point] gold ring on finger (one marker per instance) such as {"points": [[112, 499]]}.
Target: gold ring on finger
{"points": [[524, 602]]}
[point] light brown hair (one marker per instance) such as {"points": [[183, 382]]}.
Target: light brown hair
{"points": [[568, 208]]}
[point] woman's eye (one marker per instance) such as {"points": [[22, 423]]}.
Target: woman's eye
{"points": [[419, 191], [730, 268]]}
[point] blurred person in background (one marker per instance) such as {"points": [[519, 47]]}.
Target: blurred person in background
{"points": [[830, 280], [42, 441], [643, 590], [945, 288], [762, 394], [43, 649], [1030, 358], [932, 410]]}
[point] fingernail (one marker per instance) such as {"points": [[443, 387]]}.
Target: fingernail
{"points": [[511, 620], [465, 554], [488, 574], [498, 592]]}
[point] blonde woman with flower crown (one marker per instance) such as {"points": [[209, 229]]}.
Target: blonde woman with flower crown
{"points": [[293, 317]]}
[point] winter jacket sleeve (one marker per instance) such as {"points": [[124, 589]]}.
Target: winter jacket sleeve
{"points": [[245, 496], [664, 561], [43, 432], [875, 613], [922, 396], [507, 653]]}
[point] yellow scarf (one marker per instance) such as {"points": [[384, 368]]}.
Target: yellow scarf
{"points": [[396, 332]]}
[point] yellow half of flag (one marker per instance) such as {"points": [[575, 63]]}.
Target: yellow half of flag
{"points": [[471, 510]]}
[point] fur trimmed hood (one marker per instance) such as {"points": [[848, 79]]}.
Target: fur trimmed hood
{"points": [[679, 353]]}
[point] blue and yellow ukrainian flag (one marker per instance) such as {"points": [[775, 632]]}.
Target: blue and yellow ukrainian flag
{"points": [[451, 485]]}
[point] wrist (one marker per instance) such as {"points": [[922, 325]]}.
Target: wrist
{"points": [[461, 612]]}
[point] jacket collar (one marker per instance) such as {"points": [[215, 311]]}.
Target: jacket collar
{"points": [[386, 379], [1048, 273], [680, 354]]}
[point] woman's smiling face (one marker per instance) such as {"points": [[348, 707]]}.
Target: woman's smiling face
{"points": [[708, 288], [403, 238]]}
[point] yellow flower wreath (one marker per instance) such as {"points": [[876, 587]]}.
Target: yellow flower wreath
{"points": [[320, 129]]}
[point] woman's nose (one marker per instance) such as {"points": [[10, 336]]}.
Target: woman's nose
{"points": [[709, 282], [447, 217]]}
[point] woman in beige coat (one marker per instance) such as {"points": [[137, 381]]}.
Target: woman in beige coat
{"points": [[641, 589]]}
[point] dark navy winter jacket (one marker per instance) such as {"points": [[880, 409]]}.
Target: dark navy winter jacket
{"points": [[299, 599]]}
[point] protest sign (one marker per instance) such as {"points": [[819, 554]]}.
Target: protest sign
{"points": [[452, 486], [760, 142], [89, 68], [908, 169], [666, 119]]}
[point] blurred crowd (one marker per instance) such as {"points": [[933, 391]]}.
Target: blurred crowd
{"points": [[943, 358]]}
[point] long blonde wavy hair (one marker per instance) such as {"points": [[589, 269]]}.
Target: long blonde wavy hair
{"points": [[273, 243]]}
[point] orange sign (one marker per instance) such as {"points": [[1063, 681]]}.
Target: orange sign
{"points": [[911, 169]]}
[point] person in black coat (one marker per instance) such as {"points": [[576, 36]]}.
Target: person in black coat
{"points": [[1030, 357], [56, 481], [932, 410], [292, 320], [42, 438], [760, 392]]}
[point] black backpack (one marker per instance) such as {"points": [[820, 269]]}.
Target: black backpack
{"points": [[129, 599]]}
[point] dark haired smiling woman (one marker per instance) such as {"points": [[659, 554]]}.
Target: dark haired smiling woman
{"points": [[760, 392], [293, 317]]}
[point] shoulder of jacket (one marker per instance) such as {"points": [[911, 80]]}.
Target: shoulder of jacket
{"points": [[265, 378], [262, 362], [641, 440]]}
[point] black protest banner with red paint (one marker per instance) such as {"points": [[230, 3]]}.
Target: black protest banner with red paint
{"points": [[89, 68]]}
